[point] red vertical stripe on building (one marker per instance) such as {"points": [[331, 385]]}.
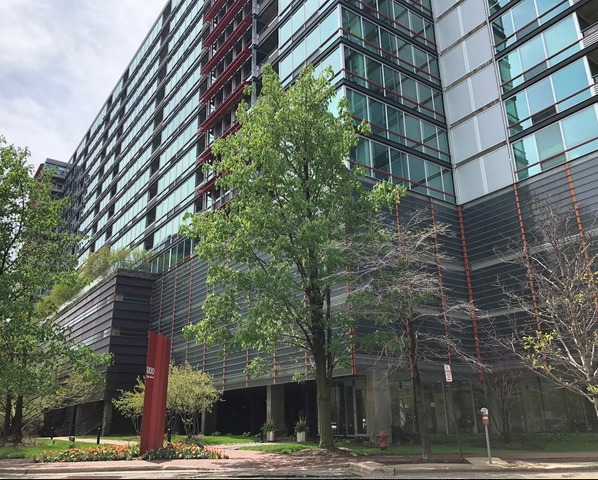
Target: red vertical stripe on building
{"points": [[189, 306], [224, 368], [246, 365], [352, 333], [530, 278], [176, 279], [580, 228]]}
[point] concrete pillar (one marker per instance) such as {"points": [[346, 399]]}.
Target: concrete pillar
{"points": [[208, 420], [378, 403], [275, 403], [107, 417]]}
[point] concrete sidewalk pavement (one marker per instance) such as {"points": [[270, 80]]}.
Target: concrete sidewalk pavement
{"points": [[254, 463]]}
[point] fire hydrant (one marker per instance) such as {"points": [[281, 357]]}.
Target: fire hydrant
{"points": [[382, 437]]}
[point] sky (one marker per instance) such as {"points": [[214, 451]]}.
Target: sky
{"points": [[59, 61]]}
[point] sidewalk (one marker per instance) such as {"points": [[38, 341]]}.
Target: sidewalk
{"points": [[256, 463]]}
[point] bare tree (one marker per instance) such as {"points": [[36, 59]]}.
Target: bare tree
{"points": [[395, 280], [554, 306], [501, 389]]}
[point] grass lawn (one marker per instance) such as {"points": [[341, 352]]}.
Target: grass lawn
{"points": [[441, 445], [471, 444], [34, 447], [216, 440], [107, 438]]}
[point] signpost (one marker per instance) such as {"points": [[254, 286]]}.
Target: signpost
{"points": [[156, 388], [486, 422], [448, 375]]}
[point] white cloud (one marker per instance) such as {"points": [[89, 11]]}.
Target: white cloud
{"points": [[59, 61]]}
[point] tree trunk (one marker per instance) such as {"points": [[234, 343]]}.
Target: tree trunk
{"points": [[418, 389], [324, 411], [7, 419], [506, 425], [422, 417], [594, 402], [16, 429]]}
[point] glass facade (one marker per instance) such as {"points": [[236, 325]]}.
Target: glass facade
{"points": [[463, 99]]}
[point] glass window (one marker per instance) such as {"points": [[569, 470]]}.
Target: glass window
{"points": [[377, 117], [398, 165], [355, 62], [328, 29], [362, 153], [409, 89], [524, 14], [380, 158], [358, 104], [395, 127], [374, 74], [550, 145], [370, 34], [388, 42], [447, 181], [526, 154], [517, 111], [417, 173], [413, 132], [571, 81], [578, 129], [559, 36], [540, 96], [532, 57]]}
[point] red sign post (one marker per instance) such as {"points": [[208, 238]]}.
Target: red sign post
{"points": [[156, 388]]}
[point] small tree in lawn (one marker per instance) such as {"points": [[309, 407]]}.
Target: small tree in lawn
{"points": [[190, 392], [274, 250], [130, 404], [558, 299], [396, 289]]}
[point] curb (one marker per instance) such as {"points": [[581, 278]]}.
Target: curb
{"points": [[376, 469]]}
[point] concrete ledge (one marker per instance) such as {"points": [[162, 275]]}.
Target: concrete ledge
{"points": [[371, 468]]}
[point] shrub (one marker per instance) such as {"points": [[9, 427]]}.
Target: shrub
{"points": [[182, 450], [90, 454]]}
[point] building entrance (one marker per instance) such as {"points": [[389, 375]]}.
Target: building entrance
{"points": [[348, 408]]}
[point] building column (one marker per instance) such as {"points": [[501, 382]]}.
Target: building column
{"points": [[107, 417], [275, 403], [208, 420], [378, 403]]}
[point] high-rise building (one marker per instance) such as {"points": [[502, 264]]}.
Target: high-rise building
{"points": [[475, 106]]}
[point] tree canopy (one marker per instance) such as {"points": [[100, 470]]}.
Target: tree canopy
{"points": [[35, 251], [275, 249]]}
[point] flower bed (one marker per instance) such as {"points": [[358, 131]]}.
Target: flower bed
{"points": [[91, 454], [176, 450], [169, 451]]}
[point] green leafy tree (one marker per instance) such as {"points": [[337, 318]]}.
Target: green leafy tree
{"points": [[130, 404], [274, 251], [34, 252], [190, 392]]}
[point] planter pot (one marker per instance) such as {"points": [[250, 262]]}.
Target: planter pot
{"points": [[270, 436], [301, 437]]}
